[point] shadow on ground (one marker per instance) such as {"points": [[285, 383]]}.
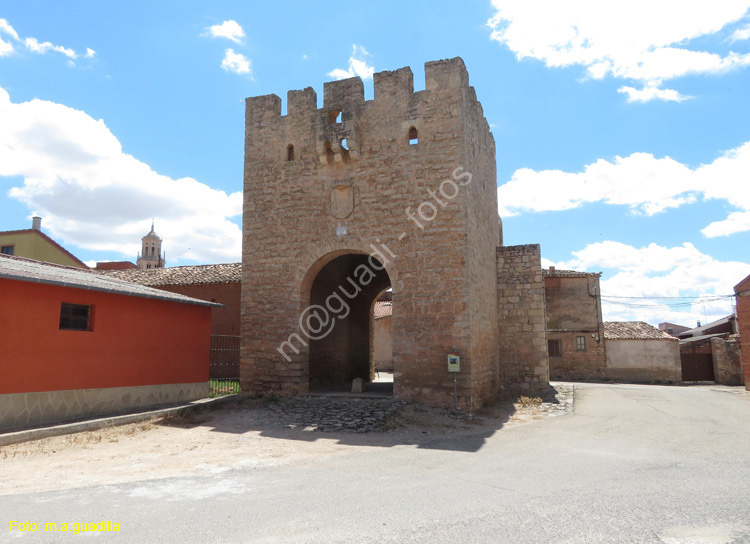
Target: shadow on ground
{"points": [[380, 422]]}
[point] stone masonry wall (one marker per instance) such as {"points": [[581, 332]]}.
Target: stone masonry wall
{"points": [[521, 319], [727, 362], [359, 183]]}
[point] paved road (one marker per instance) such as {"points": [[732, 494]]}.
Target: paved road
{"points": [[631, 464]]}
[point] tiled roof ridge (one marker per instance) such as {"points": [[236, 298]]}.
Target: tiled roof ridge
{"points": [[31, 270], [634, 330], [566, 272], [200, 274]]}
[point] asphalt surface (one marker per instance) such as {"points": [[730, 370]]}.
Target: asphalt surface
{"points": [[630, 464]]}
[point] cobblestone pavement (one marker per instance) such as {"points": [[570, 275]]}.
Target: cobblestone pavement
{"points": [[558, 400], [359, 415], [333, 414]]}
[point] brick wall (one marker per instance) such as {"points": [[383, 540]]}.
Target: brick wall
{"points": [[700, 346], [521, 318], [573, 309], [743, 323], [575, 364]]}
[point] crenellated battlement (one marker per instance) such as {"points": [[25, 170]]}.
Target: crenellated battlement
{"points": [[344, 93], [393, 85], [349, 94], [301, 102]]}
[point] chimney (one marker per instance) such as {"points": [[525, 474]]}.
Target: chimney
{"points": [[36, 223], [552, 269]]}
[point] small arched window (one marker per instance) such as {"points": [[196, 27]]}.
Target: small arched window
{"points": [[413, 136], [290, 152], [329, 153]]}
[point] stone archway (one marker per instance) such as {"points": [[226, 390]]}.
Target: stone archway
{"points": [[338, 318]]}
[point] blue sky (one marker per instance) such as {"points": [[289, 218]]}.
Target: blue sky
{"points": [[622, 128]]}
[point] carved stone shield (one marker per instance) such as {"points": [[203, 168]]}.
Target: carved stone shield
{"points": [[342, 201]]}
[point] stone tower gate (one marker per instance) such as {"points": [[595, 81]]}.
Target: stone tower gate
{"points": [[346, 201]]}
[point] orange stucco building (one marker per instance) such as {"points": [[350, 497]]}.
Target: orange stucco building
{"points": [[79, 343]]}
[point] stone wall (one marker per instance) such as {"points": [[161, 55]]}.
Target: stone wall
{"points": [[23, 410], [727, 361], [521, 319], [348, 179], [574, 310]]}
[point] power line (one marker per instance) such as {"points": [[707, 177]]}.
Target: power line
{"points": [[660, 298]]}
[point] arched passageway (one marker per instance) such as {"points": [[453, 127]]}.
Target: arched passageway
{"points": [[343, 294]]}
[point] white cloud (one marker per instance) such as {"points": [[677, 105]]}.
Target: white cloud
{"points": [[357, 65], [652, 273], [652, 93], [235, 62], [95, 196], [741, 34], [5, 48], [32, 44], [230, 30], [641, 181], [89, 53], [735, 222], [641, 40], [5, 28]]}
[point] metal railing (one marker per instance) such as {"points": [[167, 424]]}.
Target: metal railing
{"points": [[224, 367]]}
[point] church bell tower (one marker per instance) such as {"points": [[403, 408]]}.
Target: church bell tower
{"points": [[151, 255]]}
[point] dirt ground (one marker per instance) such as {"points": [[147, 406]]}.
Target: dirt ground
{"points": [[234, 435]]}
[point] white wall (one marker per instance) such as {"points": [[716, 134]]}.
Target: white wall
{"points": [[644, 360]]}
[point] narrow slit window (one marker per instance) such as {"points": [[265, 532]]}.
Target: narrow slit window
{"points": [[290, 152], [344, 150], [329, 153], [413, 136]]}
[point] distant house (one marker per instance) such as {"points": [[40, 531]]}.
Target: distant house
{"points": [[671, 328], [723, 327], [78, 343], [711, 352], [742, 292], [639, 352], [575, 330], [115, 265], [34, 244], [212, 282]]}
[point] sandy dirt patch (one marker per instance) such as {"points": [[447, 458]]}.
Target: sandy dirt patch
{"points": [[235, 435]]}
